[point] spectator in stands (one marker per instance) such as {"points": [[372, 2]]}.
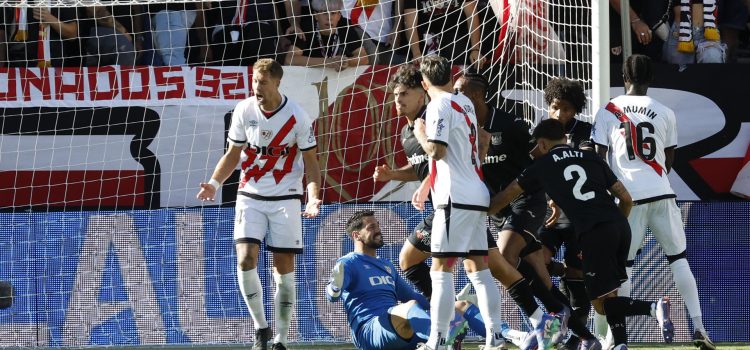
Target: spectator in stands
{"points": [[373, 21], [116, 35], [329, 44], [170, 24], [733, 20], [693, 35], [43, 37], [298, 17], [644, 15], [434, 28], [243, 32]]}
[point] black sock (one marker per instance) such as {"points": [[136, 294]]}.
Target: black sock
{"points": [[419, 276], [627, 307], [580, 305], [574, 323], [616, 320], [521, 294], [538, 288]]}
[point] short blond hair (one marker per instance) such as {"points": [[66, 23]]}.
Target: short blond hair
{"points": [[267, 65]]}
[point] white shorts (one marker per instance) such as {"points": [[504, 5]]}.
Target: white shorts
{"points": [[664, 219], [459, 232], [281, 219]]}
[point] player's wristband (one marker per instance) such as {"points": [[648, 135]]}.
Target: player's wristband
{"points": [[215, 184]]}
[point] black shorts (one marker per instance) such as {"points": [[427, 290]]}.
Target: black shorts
{"points": [[604, 250], [420, 237], [524, 216], [557, 235]]}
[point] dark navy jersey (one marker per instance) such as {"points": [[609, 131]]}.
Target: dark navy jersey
{"points": [[508, 155], [579, 134], [416, 156], [371, 286], [577, 181]]}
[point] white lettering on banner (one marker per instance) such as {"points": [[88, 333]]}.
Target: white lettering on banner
{"points": [[85, 312]]}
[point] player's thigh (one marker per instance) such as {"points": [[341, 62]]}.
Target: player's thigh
{"points": [[410, 255], [458, 232], [285, 224], [379, 333], [638, 221], [665, 222], [250, 221]]}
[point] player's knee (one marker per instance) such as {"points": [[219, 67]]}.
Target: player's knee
{"points": [[598, 305]]}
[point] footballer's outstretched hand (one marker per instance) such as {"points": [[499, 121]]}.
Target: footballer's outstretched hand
{"points": [[312, 208], [207, 192], [382, 173], [420, 195]]}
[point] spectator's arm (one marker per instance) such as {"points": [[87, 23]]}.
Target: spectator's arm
{"points": [[105, 19], [67, 30], [200, 23], [475, 35], [296, 57], [358, 58], [410, 24], [640, 28], [399, 11], [294, 11]]}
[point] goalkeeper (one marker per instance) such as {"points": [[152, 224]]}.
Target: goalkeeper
{"points": [[371, 290]]}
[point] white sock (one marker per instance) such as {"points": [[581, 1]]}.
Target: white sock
{"points": [[283, 305], [601, 327], [252, 292], [488, 299], [685, 282], [626, 286], [536, 317], [441, 307]]}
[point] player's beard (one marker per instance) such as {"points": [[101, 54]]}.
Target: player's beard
{"points": [[374, 243]]}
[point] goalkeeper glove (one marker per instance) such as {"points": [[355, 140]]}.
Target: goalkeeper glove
{"points": [[337, 280]]}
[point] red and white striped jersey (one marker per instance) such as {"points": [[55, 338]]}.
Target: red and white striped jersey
{"points": [[272, 164], [456, 178]]}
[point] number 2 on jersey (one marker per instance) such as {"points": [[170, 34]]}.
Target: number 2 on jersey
{"points": [[577, 169], [636, 142]]}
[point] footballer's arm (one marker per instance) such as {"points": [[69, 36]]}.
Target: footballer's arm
{"points": [[625, 200], [223, 170], [405, 173], [669, 157], [502, 199], [436, 150], [312, 175], [602, 151]]}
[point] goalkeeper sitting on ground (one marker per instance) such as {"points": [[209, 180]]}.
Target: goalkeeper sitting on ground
{"points": [[371, 290]]}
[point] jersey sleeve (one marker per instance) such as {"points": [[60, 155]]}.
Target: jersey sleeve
{"points": [[671, 140], [600, 131], [522, 134], [528, 180], [305, 131], [609, 176], [236, 135], [334, 295], [438, 120]]}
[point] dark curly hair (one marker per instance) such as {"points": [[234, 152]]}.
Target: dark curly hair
{"points": [[356, 222], [567, 90], [407, 75]]}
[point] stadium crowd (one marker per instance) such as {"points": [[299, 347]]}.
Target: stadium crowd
{"points": [[343, 33]]}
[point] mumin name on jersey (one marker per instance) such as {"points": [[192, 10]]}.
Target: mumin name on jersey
{"points": [[415, 159], [567, 154], [640, 110]]}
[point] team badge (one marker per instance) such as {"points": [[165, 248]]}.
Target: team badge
{"points": [[497, 138], [387, 269], [266, 134], [440, 127]]}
